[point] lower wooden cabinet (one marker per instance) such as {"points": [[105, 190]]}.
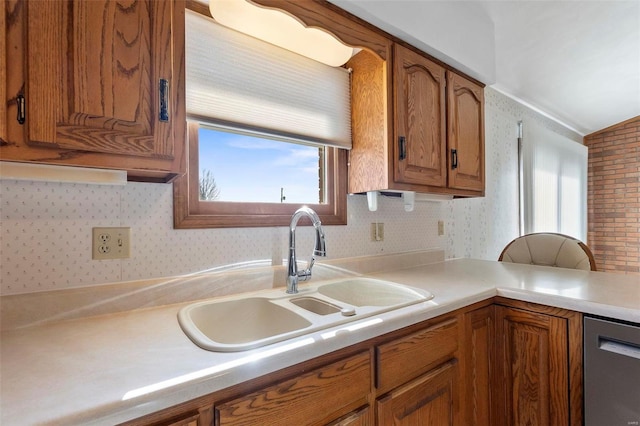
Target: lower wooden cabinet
{"points": [[420, 370], [201, 417], [506, 363], [361, 417], [522, 365], [538, 365], [431, 399], [534, 367], [478, 368], [314, 398], [407, 357]]}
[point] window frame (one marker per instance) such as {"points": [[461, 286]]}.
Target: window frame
{"points": [[191, 212]]}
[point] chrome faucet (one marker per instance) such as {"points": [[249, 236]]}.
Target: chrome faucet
{"points": [[293, 275]]}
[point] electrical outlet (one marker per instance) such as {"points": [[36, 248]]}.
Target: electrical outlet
{"points": [[377, 232], [111, 243], [440, 227]]}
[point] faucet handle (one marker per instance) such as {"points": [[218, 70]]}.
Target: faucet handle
{"points": [[306, 273]]}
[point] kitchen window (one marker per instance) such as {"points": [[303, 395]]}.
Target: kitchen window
{"points": [[555, 183], [268, 131]]}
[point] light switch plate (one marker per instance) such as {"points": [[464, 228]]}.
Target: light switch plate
{"points": [[111, 243], [377, 231]]}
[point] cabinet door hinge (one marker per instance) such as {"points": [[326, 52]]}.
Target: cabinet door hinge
{"points": [[22, 113], [164, 100]]}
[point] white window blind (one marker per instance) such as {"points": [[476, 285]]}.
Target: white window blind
{"points": [[555, 183], [236, 80]]}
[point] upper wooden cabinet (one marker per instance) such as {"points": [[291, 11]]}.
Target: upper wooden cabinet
{"points": [[98, 85], [419, 119], [417, 126], [465, 133]]}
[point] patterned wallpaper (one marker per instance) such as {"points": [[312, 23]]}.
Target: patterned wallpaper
{"points": [[481, 227], [46, 235], [46, 227]]}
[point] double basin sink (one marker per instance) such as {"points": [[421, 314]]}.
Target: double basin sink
{"points": [[248, 322]]}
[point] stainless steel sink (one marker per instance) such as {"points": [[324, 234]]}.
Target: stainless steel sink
{"points": [[243, 323]]}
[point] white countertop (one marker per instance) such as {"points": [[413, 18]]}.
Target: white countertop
{"points": [[112, 368]]}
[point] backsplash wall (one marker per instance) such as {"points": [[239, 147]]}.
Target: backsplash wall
{"points": [[45, 241], [46, 235]]}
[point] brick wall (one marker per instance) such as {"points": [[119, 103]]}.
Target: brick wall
{"points": [[614, 197]]}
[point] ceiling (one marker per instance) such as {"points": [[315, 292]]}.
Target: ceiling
{"points": [[577, 61]]}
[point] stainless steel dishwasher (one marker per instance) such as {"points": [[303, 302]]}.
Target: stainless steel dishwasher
{"points": [[611, 373]]}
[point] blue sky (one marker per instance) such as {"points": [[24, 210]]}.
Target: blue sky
{"points": [[247, 168]]}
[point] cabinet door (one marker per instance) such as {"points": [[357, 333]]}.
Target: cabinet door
{"points": [[533, 374], [465, 133], [93, 76], [92, 84], [420, 120], [431, 400], [478, 370]]}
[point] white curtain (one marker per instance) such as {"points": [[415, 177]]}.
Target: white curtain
{"points": [[555, 182]]}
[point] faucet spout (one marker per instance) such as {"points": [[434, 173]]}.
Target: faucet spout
{"points": [[293, 275]]}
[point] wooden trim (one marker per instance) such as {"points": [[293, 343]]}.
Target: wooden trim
{"points": [[370, 118], [575, 348], [477, 355], [190, 212], [3, 74], [343, 26], [391, 38]]}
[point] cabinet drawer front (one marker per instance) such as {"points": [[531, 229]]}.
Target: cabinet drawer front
{"points": [[361, 417], [403, 359], [431, 399], [317, 397]]}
